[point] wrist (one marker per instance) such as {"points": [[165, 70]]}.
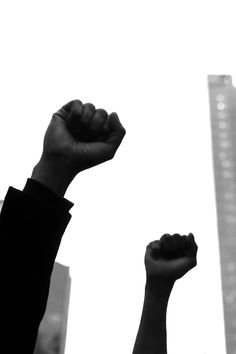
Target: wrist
{"points": [[52, 174], [159, 289]]}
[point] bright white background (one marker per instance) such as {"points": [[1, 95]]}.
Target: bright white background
{"points": [[148, 61]]}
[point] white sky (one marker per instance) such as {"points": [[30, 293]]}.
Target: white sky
{"points": [[148, 61]]}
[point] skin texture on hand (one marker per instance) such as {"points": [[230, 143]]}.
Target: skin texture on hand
{"points": [[170, 257], [78, 137], [83, 135]]}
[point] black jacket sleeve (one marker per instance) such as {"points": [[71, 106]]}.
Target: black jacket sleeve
{"points": [[32, 223]]}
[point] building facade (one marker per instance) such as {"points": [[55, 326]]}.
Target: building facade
{"points": [[52, 330], [222, 97]]}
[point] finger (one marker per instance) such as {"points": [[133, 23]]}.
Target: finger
{"points": [[64, 111], [58, 118], [178, 245], [105, 131], [73, 122], [98, 120], [153, 249], [173, 246], [165, 236], [148, 252], [67, 106], [183, 245], [176, 239], [156, 250], [117, 131], [87, 115], [191, 246], [60, 114], [150, 244], [166, 246]]}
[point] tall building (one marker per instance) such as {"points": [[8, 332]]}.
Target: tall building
{"points": [[52, 331], [222, 96]]}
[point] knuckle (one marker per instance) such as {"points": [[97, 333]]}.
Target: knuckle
{"points": [[102, 112], [77, 106], [77, 102], [165, 236], [177, 236], [89, 106], [149, 244]]}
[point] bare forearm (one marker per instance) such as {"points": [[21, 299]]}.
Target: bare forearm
{"points": [[53, 175], [151, 337]]}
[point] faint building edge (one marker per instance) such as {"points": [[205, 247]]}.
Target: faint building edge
{"points": [[53, 327]]}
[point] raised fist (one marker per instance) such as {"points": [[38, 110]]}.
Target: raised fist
{"points": [[80, 136], [170, 257]]}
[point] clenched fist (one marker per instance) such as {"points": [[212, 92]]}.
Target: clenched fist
{"points": [[78, 137], [82, 135], [170, 257]]}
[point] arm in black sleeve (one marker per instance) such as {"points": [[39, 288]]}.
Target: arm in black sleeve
{"points": [[32, 223]]}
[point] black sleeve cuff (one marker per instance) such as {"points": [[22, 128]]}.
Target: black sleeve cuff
{"points": [[43, 193]]}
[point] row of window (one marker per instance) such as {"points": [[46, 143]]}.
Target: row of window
{"points": [[226, 162]]}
